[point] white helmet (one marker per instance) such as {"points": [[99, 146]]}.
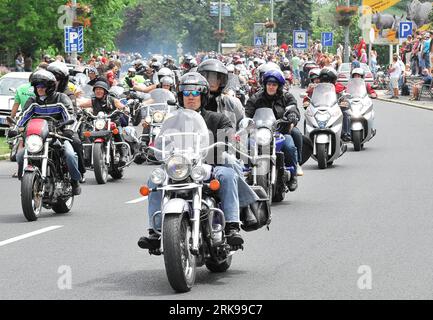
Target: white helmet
{"points": [[230, 68], [359, 71], [314, 73]]}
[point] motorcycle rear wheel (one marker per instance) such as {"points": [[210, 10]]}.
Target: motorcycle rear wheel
{"points": [[357, 140], [218, 267], [31, 195], [180, 264]]}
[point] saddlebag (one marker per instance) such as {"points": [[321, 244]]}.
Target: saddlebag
{"points": [[258, 214]]}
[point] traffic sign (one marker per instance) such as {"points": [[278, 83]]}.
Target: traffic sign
{"points": [[327, 39], [258, 41], [74, 40], [271, 38], [300, 39], [405, 29]]}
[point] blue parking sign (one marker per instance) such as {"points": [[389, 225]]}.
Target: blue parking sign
{"points": [[327, 39], [300, 39], [74, 40], [405, 29]]}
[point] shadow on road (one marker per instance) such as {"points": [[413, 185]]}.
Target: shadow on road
{"points": [[13, 218], [154, 283]]}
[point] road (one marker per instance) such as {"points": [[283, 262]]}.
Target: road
{"points": [[362, 229]]}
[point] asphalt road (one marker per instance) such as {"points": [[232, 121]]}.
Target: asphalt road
{"points": [[362, 229]]}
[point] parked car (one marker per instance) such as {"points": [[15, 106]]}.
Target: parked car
{"points": [[8, 84], [344, 73]]}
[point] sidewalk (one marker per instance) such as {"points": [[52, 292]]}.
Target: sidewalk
{"points": [[424, 103]]}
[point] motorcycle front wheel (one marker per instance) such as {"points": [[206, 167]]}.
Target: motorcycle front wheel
{"points": [[357, 140], [31, 195], [322, 155], [180, 264], [99, 165]]}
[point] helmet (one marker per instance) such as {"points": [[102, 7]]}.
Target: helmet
{"points": [[156, 65], [266, 67], [138, 62], [193, 63], [286, 61], [187, 58], [193, 81], [314, 73], [92, 70], [275, 75], [328, 75], [214, 65], [164, 72], [44, 77], [167, 81], [61, 72], [359, 71], [101, 84], [238, 61], [132, 70], [230, 68]]}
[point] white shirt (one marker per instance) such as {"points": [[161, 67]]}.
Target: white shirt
{"points": [[397, 71]]}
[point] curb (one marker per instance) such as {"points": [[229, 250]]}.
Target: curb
{"points": [[406, 103]]}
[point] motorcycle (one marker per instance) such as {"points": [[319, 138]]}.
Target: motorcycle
{"points": [[288, 75], [381, 81], [323, 125], [266, 167], [46, 181], [154, 111], [133, 104], [192, 232], [361, 113], [105, 151]]}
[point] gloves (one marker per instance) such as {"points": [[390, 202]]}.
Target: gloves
{"points": [[291, 118]]}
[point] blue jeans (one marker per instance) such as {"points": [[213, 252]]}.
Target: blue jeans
{"points": [[70, 156], [231, 195], [346, 121], [290, 151], [426, 57]]}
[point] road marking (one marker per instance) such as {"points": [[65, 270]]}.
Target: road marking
{"points": [[28, 235], [137, 200]]}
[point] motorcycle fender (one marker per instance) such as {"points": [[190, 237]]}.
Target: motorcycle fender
{"points": [[175, 206], [322, 138], [99, 140], [31, 168], [356, 126]]}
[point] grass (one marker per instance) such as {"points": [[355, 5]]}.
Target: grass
{"points": [[4, 147]]}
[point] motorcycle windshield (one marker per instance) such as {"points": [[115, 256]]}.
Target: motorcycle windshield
{"points": [[158, 99], [356, 87], [117, 91], [324, 95], [264, 117], [184, 132]]}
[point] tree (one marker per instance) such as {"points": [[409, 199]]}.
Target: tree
{"points": [[293, 15]]}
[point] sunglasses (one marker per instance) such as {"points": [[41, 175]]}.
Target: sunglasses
{"points": [[194, 93]]}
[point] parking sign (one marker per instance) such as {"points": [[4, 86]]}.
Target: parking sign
{"points": [[405, 29], [74, 40], [300, 39]]}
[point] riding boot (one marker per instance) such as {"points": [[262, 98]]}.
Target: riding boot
{"points": [[233, 236]]}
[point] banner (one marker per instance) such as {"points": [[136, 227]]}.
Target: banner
{"points": [[384, 16]]}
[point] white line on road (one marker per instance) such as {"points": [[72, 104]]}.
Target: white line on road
{"points": [[28, 235], [137, 200]]}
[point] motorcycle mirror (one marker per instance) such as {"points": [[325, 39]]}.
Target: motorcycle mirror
{"points": [[171, 102], [246, 123], [13, 90], [303, 95]]}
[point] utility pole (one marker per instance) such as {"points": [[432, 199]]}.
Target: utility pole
{"points": [[219, 28], [272, 14], [74, 17], [346, 39]]}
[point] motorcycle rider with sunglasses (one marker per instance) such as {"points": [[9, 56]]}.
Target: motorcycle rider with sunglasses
{"points": [[193, 94]]}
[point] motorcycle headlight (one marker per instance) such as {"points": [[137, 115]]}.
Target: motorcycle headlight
{"points": [[178, 167], [34, 143], [198, 173], [322, 119], [158, 176], [158, 117], [264, 136], [100, 124]]}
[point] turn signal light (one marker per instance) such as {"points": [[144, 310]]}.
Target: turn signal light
{"points": [[87, 134], [115, 131], [144, 191], [214, 185]]}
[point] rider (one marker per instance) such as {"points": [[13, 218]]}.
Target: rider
{"points": [[284, 106], [44, 83], [167, 83], [217, 76], [132, 78], [314, 76], [360, 73], [103, 101], [193, 94]]}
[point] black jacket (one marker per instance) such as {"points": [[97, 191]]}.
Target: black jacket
{"points": [[55, 98], [216, 121], [277, 103]]}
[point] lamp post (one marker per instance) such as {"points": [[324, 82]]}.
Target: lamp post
{"points": [[74, 17]]}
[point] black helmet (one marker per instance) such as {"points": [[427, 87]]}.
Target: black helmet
{"points": [[328, 75], [101, 84], [61, 72], [193, 81], [214, 65], [46, 78]]}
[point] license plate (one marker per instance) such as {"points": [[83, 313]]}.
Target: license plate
{"points": [[3, 121]]}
